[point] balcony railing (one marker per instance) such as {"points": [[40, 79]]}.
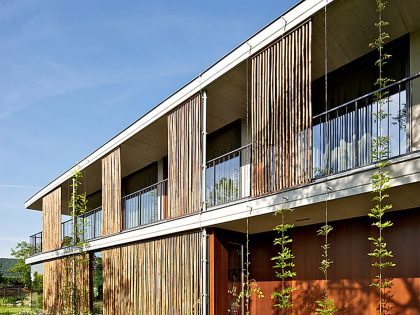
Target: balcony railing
{"points": [[90, 224], [342, 136], [145, 206], [36, 243], [228, 177]]}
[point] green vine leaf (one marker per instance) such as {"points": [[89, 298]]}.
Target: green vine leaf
{"points": [[283, 262]]}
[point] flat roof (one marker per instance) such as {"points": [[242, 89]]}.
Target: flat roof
{"points": [[287, 21]]}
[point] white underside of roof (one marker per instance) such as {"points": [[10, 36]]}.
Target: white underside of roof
{"points": [[288, 21]]}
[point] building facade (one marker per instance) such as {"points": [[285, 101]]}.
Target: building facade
{"points": [[181, 202]]}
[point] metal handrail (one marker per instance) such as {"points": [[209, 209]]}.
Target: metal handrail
{"points": [[80, 216], [143, 189], [86, 214], [135, 213], [415, 76], [33, 240], [236, 174], [229, 153]]}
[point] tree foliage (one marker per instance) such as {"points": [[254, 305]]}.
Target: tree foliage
{"points": [[22, 251]]}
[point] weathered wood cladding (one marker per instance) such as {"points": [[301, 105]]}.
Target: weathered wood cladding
{"points": [[58, 283], [281, 113], [156, 277], [51, 220], [111, 193], [185, 158]]}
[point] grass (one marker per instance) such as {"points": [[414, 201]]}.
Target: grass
{"points": [[11, 310]]}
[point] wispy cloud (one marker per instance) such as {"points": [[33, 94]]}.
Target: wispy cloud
{"points": [[18, 186]]}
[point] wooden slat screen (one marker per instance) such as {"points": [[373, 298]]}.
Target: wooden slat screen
{"points": [[111, 193], [51, 220], [156, 277], [57, 285], [184, 158], [281, 113]]}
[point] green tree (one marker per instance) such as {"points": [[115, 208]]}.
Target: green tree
{"points": [[1, 275], [22, 251], [37, 282]]}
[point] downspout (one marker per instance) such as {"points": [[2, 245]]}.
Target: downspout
{"points": [[203, 153], [203, 207], [204, 266]]}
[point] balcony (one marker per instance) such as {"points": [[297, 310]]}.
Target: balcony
{"points": [[228, 177], [145, 206], [90, 222], [342, 136], [36, 243]]}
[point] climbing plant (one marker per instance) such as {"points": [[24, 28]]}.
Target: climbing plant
{"points": [[325, 305], [381, 255], [249, 286], [74, 295], [283, 263]]}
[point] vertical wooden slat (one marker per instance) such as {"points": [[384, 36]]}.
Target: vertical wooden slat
{"points": [[184, 158], [51, 220], [57, 285], [111, 193], [162, 279], [281, 113]]}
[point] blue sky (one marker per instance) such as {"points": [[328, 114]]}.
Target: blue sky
{"points": [[75, 73]]}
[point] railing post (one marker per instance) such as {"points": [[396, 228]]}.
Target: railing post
{"points": [[357, 140]]}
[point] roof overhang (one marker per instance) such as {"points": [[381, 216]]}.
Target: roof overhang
{"points": [[286, 22]]}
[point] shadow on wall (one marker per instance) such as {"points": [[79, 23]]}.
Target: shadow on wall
{"points": [[350, 275]]}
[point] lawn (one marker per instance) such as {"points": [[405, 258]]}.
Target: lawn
{"points": [[9, 310]]}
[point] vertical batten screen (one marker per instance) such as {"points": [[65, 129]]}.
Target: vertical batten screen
{"points": [[281, 113], [155, 277], [184, 158], [58, 284], [51, 220], [111, 193]]}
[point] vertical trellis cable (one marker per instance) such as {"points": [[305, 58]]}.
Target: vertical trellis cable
{"points": [[247, 266], [326, 305], [73, 262], [326, 108]]}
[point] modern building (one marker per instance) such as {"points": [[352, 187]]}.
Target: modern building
{"points": [[181, 199]]}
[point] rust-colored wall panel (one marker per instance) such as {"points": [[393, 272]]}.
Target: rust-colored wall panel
{"points": [[111, 193], [218, 275], [161, 276], [185, 158], [51, 220], [281, 113], [350, 274]]}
